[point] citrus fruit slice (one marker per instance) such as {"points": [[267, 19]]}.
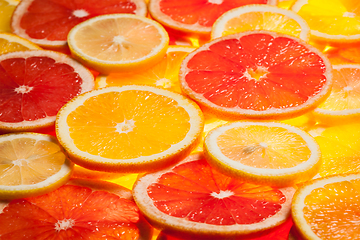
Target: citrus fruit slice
{"points": [[31, 164], [7, 8], [333, 22], [194, 17], [164, 74], [273, 154], [81, 212], [35, 84], [84, 173], [340, 148], [330, 201], [47, 23], [343, 104], [12, 43], [194, 199], [256, 74], [111, 43], [132, 128], [260, 17]]}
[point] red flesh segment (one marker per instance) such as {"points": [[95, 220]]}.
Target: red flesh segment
{"points": [[290, 69], [198, 193], [200, 11], [80, 213], [49, 86], [53, 19]]}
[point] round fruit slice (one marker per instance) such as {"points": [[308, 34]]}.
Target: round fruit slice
{"points": [[84, 210], [164, 74], [7, 8], [331, 201], [48, 22], [35, 84], [111, 43], [132, 128], [194, 17], [12, 43], [31, 164], [343, 104], [273, 154], [260, 17], [258, 75], [334, 21], [191, 198]]}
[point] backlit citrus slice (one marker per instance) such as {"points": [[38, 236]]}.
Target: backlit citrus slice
{"points": [[12, 43], [47, 22], [84, 210], [327, 208], [258, 75], [7, 8], [273, 154], [35, 84], [340, 148], [194, 17], [31, 164], [164, 74], [132, 128], [260, 17], [336, 21], [343, 104], [111, 43], [192, 199], [84, 173]]}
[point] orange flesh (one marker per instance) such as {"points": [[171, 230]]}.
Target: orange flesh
{"points": [[220, 74], [333, 211], [5, 45], [27, 88], [201, 12], [27, 161], [198, 193], [260, 147], [80, 213], [53, 19], [141, 122]]}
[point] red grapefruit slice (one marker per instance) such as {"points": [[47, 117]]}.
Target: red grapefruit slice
{"points": [[193, 199], [47, 22], [257, 75], [35, 84]]}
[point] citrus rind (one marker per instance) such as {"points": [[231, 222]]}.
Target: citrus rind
{"points": [[266, 176]]}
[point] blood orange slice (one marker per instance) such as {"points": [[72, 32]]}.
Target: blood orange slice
{"points": [[35, 84], [194, 199], [47, 22], [83, 211], [258, 75], [194, 17]]}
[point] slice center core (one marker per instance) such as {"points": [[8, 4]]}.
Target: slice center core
{"points": [[222, 194], [257, 74], [80, 13], [23, 89], [64, 224], [163, 82], [216, 1], [125, 126]]}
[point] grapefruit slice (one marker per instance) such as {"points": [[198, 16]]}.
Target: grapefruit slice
{"points": [[194, 17], [47, 22], [35, 84], [193, 199], [256, 75]]}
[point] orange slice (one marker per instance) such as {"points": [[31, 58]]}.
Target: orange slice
{"points": [[132, 128], [340, 148], [343, 104], [194, 17], [260, 17], [31, 164], [257, 75], [334, 21], [7, 8], [84, 210], [47, 23], [111, 43], [192, 199], [35, 85], [164, 74], [331, 201], [273, 154], [12, 43], [84, 173]]}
